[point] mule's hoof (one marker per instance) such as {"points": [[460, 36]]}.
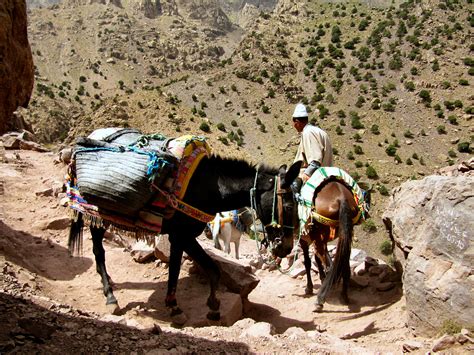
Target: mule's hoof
{"points": [[318, 308], [113, 308], [179, 319], [308, 291], [214, 315]]}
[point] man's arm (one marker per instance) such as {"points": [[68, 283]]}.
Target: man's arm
{"points": [[313, 146]]}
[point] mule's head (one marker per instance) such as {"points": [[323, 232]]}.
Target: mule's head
{"points": [[278, 213]]}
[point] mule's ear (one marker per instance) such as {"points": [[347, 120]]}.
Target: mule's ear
{"points": [[291, 174], [282, 169]]}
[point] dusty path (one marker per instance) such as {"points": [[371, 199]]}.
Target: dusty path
{"points": [[375, 320]]}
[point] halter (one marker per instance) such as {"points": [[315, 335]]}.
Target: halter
{"points": [[278, 206]]}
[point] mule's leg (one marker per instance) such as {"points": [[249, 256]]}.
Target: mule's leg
{"points": [[236, 246], [321, 269], [176, 254], [226, 236], [99, 253], [307, 266], [195, 251]]}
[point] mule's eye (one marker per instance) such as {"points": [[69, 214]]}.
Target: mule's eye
{"points": [[271, 180]]}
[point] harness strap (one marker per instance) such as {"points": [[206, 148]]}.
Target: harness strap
{"points": [[279, 193], [184, 207], [332, 222]]}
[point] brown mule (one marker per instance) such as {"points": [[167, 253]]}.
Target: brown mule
{"points": [[334, 216]]}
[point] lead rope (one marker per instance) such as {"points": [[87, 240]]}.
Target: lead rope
{"points": [[253, 205]]}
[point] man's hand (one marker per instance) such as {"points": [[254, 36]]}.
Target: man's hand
{"points": [[296, 188]]}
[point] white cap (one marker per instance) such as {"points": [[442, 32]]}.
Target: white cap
{"points": [[300, 111]]}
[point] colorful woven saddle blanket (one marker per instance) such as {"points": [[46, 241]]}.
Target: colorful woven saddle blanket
{"points": [[117, 175], [315, 182]]}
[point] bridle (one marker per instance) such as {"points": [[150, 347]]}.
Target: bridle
{"points": [[277, 206]]}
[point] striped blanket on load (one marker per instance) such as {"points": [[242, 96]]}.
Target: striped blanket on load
{"points": [[187, 151], [311, 186]]}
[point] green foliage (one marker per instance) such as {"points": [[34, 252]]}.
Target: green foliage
{"points": [[453, 120], [221, 127], [450, 327], [409, 85], [396, 62], [391, 150], [358, 149], [464, 147], [425, 96], [371, 172], [441, 129], [375, 129], [205, 127], [386, 247], [355, 120], [369, 226], [383, 190], [452, 153]]}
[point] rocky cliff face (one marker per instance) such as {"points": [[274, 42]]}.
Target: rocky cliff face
{"points": [[431, 222], [16, 61]]}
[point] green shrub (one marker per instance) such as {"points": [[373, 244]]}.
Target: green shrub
{"points": [[383, 190], [464, 147], [205, 127], [441, 129], [450, 327], [409, 85], [453, 120], [371, 172], [358, 150], [425, 96], [375, 129], [358, 164], [391, 150], [386, 247], [369, 226], [221, 127]]}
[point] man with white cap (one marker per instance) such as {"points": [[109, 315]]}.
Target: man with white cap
{"points": [[314, 150]]}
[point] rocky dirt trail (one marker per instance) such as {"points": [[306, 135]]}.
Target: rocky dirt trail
{"points": [[53, 303]]}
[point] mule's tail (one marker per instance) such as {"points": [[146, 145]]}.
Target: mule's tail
{"points": [[75, 235], [340, 267]]}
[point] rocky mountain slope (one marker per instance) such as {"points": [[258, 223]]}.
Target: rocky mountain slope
{"points": [[392, 83]]}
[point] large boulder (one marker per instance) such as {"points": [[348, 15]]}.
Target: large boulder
{"points": [[16, 62], [431, 222]]}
